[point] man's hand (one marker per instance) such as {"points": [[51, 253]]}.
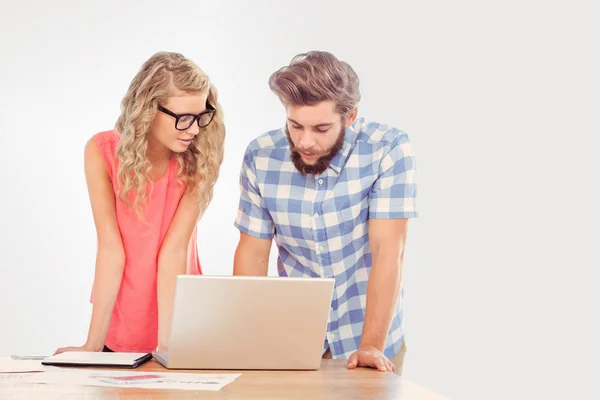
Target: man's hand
{"points": [[370, 357]]}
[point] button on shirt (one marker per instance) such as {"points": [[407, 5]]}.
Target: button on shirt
{"points": [[320, 223]]}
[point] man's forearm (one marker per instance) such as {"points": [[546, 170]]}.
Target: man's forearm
{"points": [[382, 297], [170, 264]]}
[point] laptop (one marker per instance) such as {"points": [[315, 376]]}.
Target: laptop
{"points": [[248, 323]]}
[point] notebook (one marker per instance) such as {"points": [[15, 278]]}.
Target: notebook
{"points": [[97, 359]]}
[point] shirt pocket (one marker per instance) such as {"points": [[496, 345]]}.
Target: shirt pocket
{"points": [[347, 222], [353, 226]]}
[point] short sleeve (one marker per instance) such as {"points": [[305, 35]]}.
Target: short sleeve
{"points": [[107, 142], [394, 192], [253, 217]]}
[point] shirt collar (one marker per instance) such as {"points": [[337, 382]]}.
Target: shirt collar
{"points": [[339, 160]]}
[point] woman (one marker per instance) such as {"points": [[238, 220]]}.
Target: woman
{"points": [[149, 181]]}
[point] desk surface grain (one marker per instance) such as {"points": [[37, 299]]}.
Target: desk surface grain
{"points": [[333, 380]]}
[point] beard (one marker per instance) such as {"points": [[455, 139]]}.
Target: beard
{"points": [[322, 162]]}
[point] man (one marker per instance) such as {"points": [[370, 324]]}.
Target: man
{"points": [[335, 192]]}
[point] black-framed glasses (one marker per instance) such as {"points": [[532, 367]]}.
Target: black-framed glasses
{"points": [[185, 121]]}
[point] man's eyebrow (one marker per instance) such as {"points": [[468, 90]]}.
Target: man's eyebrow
{"points": [[321, 125]]}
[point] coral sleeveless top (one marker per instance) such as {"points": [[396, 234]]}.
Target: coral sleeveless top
{"points": [[134, 323]]}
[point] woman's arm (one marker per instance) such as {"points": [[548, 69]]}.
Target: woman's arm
{"points": [[172, 261], [110, 258]]}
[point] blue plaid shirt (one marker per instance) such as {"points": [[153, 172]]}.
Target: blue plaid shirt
{"points": [[320, 222]]}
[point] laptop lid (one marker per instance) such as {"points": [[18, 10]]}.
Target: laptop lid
{"points": [[238, 322]]}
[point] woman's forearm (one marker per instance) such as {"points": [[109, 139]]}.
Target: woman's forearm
{"points": [[110, 263], [170, 264]]}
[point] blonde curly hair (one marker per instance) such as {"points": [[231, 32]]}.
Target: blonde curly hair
{"points": [[199, 164]]}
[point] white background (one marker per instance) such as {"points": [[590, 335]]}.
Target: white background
{"points": [[500, 102]]}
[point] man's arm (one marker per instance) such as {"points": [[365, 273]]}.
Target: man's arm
{"points": [[386, 238], [254, 223], [172, 261], [391, 203], [251, 256]]}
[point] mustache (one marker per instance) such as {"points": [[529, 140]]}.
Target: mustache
{"points": [[310, 151]]}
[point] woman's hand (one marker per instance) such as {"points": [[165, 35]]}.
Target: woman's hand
{"points": [[85, 347]]}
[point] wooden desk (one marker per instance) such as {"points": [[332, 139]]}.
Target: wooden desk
{"points": [[332, 381]]}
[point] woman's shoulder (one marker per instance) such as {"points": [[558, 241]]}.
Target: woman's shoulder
{"points": [[106, 143], [106, 138]]}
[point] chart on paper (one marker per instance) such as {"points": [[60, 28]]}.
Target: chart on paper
{"points": [[140, 380]]}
